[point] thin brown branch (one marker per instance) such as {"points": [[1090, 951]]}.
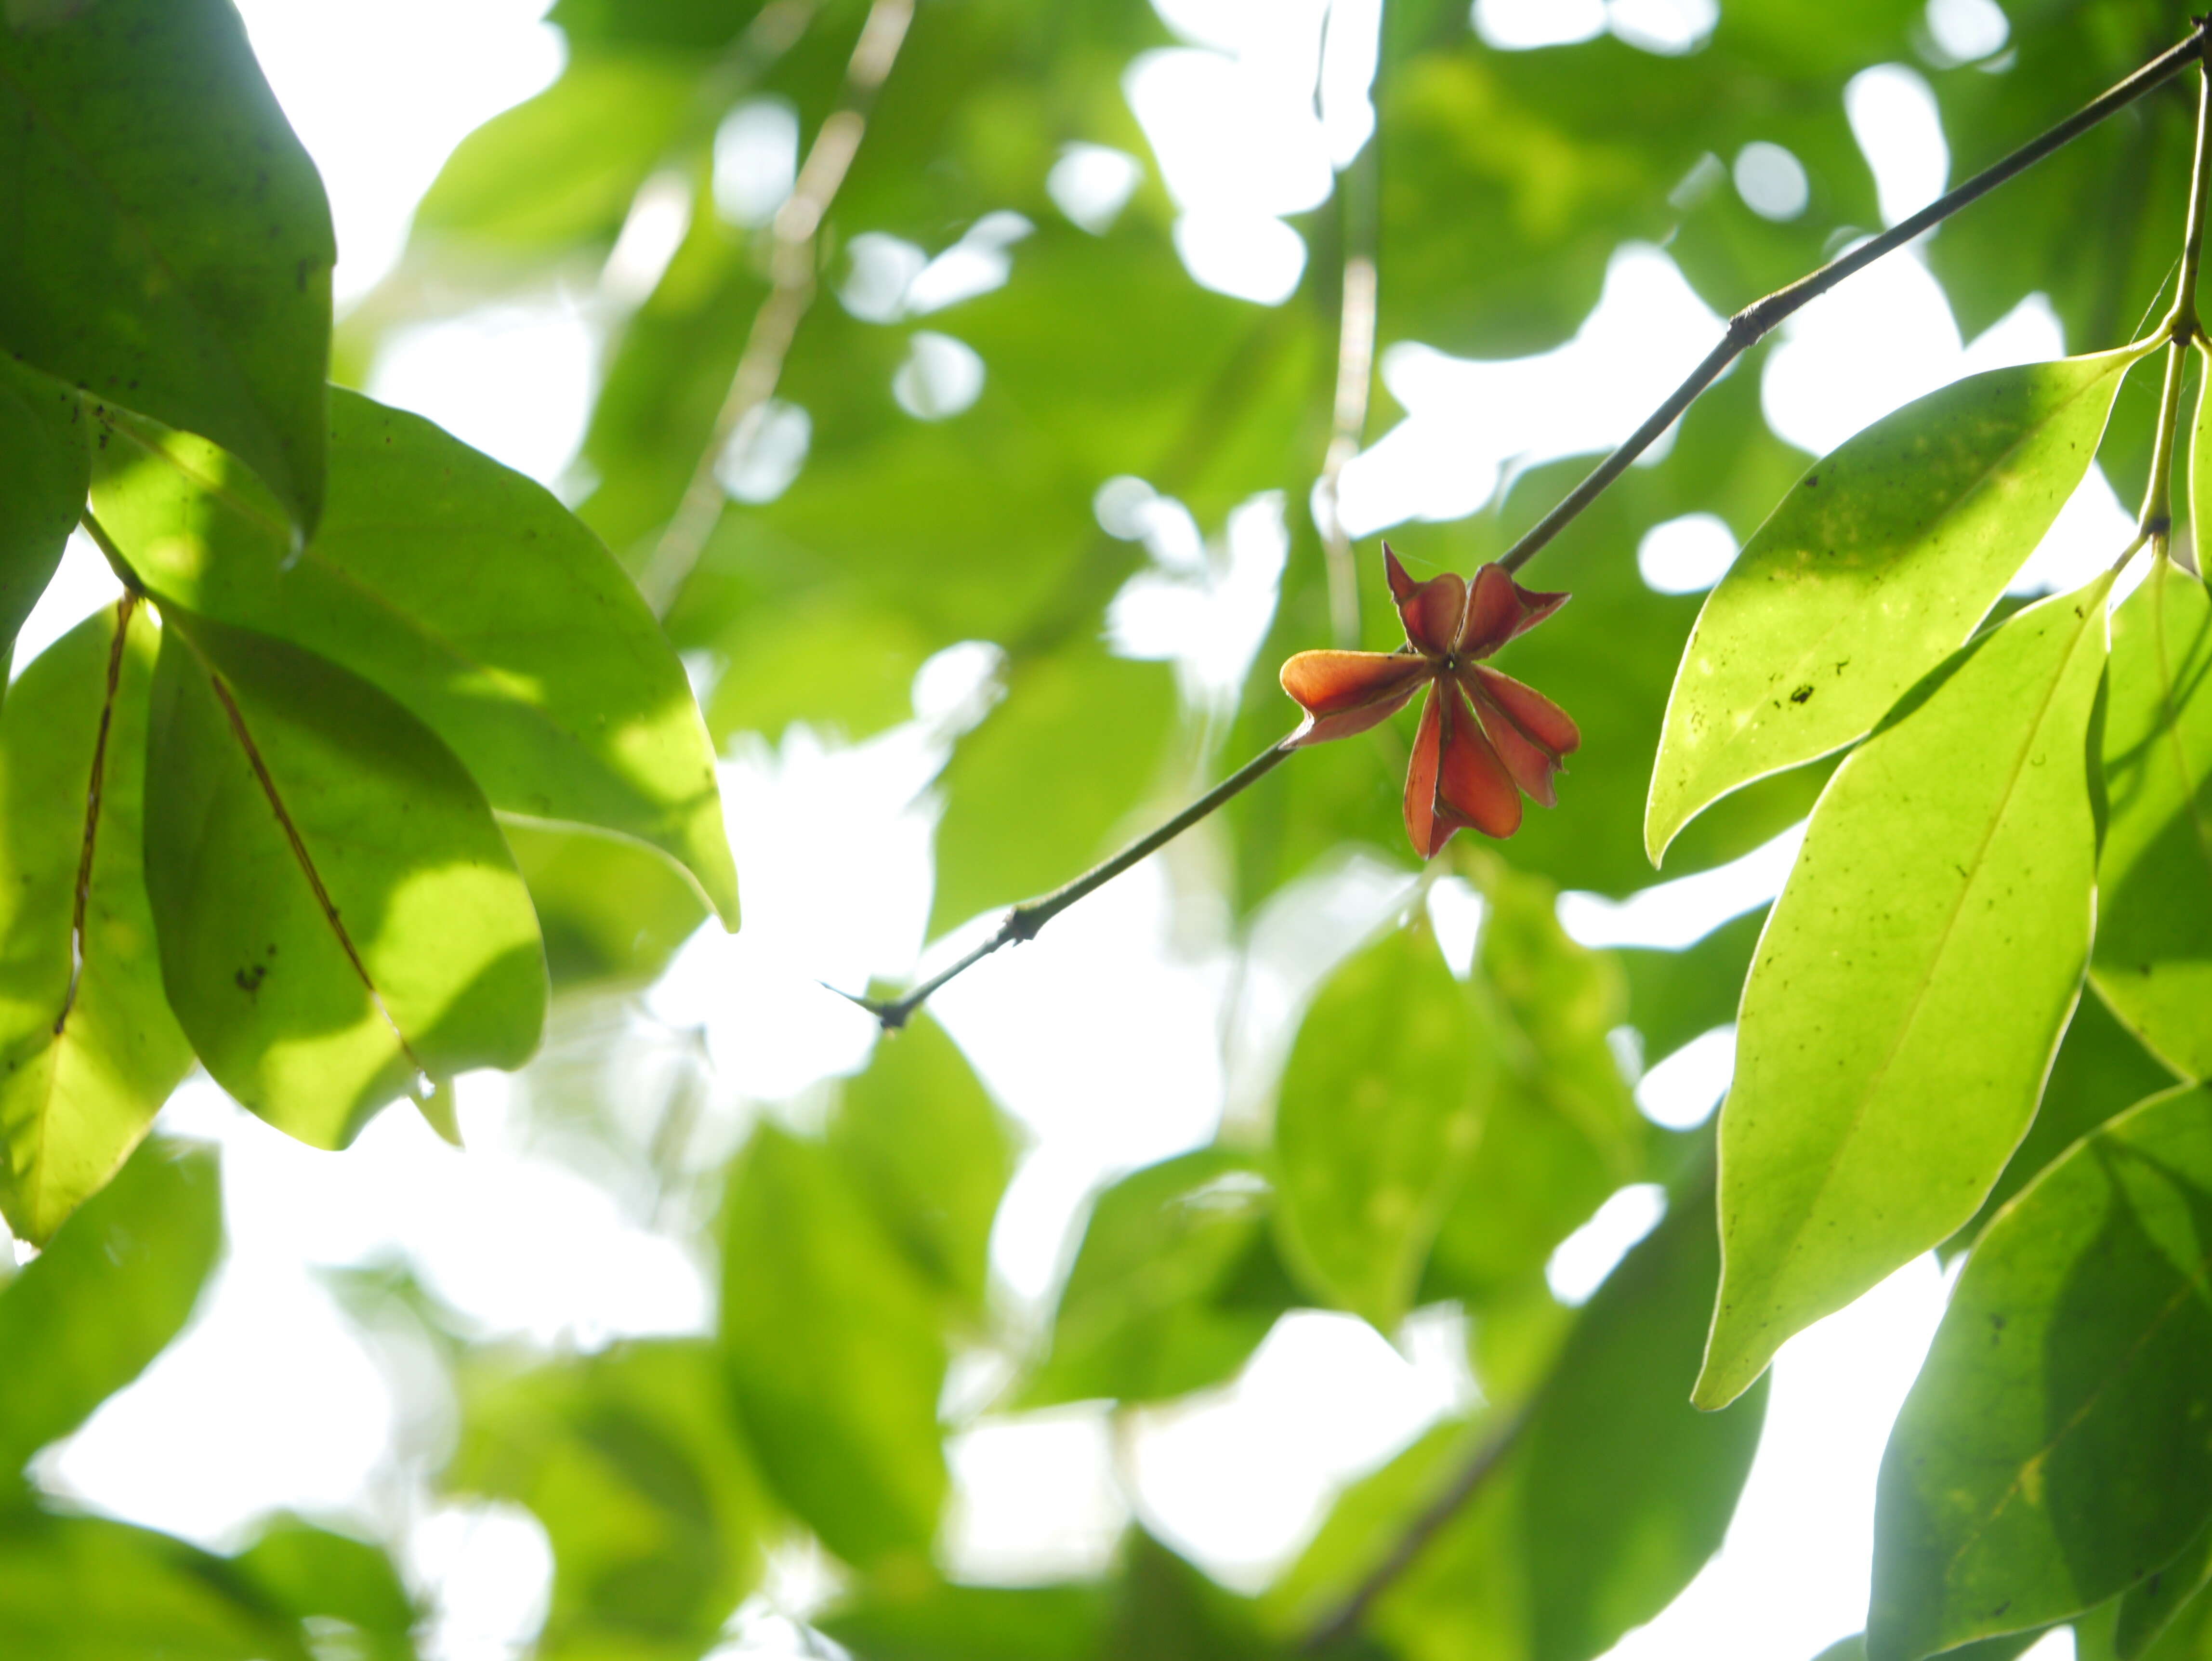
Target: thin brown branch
{"points": [[1480, 1466], [1745, 329], [792, 257], [1755, 321], [1022, 922]]}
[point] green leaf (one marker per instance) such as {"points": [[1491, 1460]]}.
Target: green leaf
{"points": [[2154, 1606], [832, 1345], [471, 595], [45, 468], [88, 1049], [1595, 1512], [657, 1516], [2051, 1453], [942, 1622], [1175, 1284], [562, 167], [105, 1297], [1873, 571], [2100, 1071], [350, 1589], [1034, 794], [2154, 957], [339, 918], [1628, 1489], [1911, 984], [1676, 996], [1376, 1118], [170, 247], [610, 908], [932, 1152], [79, 1589]]}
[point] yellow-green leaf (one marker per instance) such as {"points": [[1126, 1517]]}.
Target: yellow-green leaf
{"points": [[340, 921], [1873, 571], [1912, 985], [88, 1049]]}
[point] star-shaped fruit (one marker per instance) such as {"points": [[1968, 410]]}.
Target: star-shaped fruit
{"points": [[1484, 739]]}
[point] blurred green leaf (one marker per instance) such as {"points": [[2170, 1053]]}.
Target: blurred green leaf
{"points": [[832, 663], [1594, 1514], [2153, 955], [1036, 793], [696, 23], [562, 167], [79, 1589], [1377, 1115], [831, 1343], [88, 1049], [468, 593], [2159, 1604], [339, 918], [115, 1285], [1884, 1076], [657, 1516], [610, 908], [932, 1152], [1628, 1489], [1164, 1609], [1879, 564], [1173, 1286], [1676, 996], [2047, 1456], [171, 249], [323, 1578], [944, 1622], [45, 468], [1560, 1130]]}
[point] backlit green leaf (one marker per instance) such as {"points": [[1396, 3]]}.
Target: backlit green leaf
{"points": [[105, 1297], [339, 918], [561, 167], [1175, 1284], [942, 1622], [1036, 792], [1873, 571], [1376, 1120], [2051, 1453], [46, 467], [2101, 1070], [2153, 1607], [1911, 984], [2154, 958], [169, 244], [81, 1589], [831, 1343], [351, 1590], [467, 593], [1601, 1508], [657, 1516], [932, 1152], [1628, 1489], [88, 1049]]}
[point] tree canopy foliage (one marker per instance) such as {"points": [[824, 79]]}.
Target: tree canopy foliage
{"points": [[390, 761]]}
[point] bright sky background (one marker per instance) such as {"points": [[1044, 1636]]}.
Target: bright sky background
{"points": [[276, 1397]]}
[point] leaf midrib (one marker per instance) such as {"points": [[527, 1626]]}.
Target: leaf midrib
{"points": [[671, 822], [301, 856], [1872, 1088]]}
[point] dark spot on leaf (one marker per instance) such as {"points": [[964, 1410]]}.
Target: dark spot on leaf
{"points": [[1801, 694], [249, 980]]}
